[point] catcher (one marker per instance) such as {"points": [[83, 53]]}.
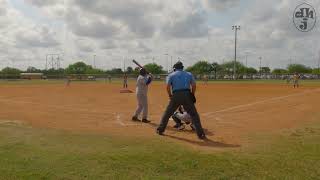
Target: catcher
{"points": [[181, 117]]}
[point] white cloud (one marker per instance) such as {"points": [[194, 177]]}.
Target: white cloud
{"points": [[219, 5], [115, 29]]}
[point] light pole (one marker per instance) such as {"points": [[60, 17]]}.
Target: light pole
{"points": [[246, 63], [94, 61], [235, 28], [247, 59], [260, 58], [319, 66], [167, 61], [124, 64], [55, 60]]}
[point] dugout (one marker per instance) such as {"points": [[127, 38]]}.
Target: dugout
{"points": [[31, 75]]}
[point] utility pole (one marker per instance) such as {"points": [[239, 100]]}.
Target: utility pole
{"points": [[171, 63], [124, 64], [247, 59], [94, 61], [290, 61], [54, 61], [246, 62], [235, 28], [260, 58], [167, 62], [319, 66]]}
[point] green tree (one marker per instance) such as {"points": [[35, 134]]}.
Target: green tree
{"points": [[228, 68], [31, 69], [77, 68], [201, 67], [53, 72], [279, 71], [115, 71], [94, 71], [216, 68], [154, 68], [316, 71], [251, 70], [299, 68], [11, 71], [129, 70]]}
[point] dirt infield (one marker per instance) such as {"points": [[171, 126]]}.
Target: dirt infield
{"points": [[229, 112]]}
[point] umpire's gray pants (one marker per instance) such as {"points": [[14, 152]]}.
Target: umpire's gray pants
{"points": [[181, 98], [142, 106]]}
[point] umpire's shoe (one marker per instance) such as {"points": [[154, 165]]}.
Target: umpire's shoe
{"points": [[159, 132], [202, 136]]}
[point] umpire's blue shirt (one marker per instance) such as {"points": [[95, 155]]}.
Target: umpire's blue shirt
{"points": [[180, 80]]}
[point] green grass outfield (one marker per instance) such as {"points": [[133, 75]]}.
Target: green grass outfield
{"points": [[27, 153]]}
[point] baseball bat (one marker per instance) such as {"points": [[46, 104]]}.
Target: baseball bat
{"points": [[139, 65], [134, 61]]}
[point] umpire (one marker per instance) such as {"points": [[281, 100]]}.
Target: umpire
{"points": [[181, 88]]}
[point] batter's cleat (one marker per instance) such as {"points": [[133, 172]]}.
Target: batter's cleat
{"points": [[145, 121], [134, 118]]}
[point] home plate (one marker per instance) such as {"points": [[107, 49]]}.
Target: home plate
{"points": [[125, 91]]}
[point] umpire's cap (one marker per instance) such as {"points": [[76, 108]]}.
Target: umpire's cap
{"points": [[178, 65]]}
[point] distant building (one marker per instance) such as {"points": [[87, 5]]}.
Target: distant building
{"points": [[31, 75]]}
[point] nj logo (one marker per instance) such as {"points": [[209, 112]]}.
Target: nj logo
{"points": [[304, 17]]}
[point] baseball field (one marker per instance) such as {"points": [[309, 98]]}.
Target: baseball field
{"points": [[255, 129]]}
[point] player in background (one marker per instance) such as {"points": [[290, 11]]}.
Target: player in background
{"points": [[109, 78], [181, 117], [125, 80], [205, 79], [296, 78], [68, 81], [143, 81]]}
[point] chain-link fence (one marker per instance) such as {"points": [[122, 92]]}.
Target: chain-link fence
{"points": [[159, 77]]}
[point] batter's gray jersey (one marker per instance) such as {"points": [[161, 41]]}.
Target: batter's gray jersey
{"points": [[142, 97], [142, 87]]}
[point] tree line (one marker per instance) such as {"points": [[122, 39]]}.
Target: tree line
{"points": [[199, 68]]}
